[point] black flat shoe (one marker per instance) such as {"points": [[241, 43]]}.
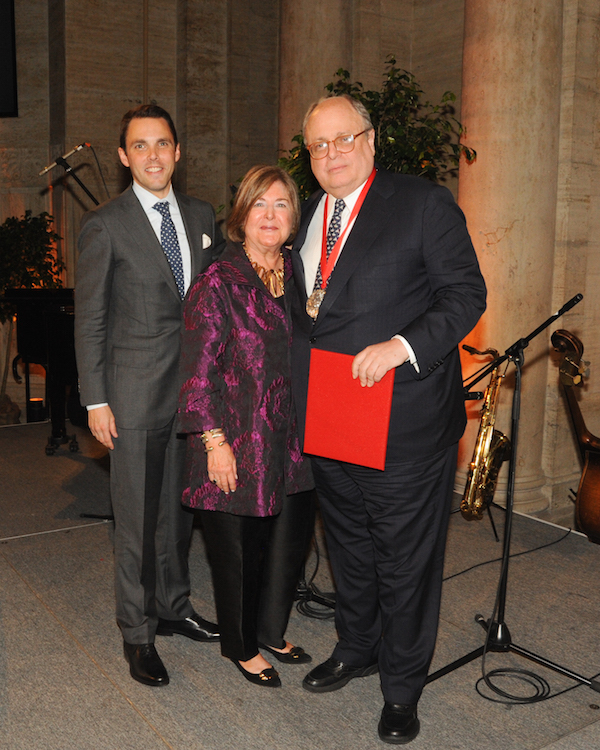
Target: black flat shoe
{"points": [[194, 627], [267, 678], [295, 655], [399, 723], [145, 665]]}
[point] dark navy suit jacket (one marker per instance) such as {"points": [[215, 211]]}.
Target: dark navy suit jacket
{"points": [[408, 267]]}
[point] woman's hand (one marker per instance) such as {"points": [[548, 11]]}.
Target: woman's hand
{"points": [[222, 468]]}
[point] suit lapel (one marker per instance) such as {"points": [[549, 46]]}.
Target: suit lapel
{"points": [[193, 230], [369, 224], [134, 219]]}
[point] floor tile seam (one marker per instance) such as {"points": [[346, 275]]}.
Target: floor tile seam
{"points": [[548, 523], [89, 656], [53, 531], [560, 740], [24, 424]]}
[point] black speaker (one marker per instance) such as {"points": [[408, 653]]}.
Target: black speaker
{"points": [[8, 60]]}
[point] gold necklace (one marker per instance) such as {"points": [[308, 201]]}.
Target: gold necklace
{"points": [[272, 278]]}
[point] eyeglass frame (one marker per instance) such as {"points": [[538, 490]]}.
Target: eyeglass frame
{"points": [[354, 137]]}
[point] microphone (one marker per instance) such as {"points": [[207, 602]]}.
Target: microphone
{"points": [[66, 156], [568, 305]]}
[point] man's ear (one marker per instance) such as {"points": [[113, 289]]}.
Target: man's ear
{"points": [[371, 139], [123, 157], [177, 153]]}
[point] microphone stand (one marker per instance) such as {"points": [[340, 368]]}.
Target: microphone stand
{"points": [[498, 635], [69, 170]]}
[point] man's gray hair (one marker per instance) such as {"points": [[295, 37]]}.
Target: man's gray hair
{"points": [[359, 107]]}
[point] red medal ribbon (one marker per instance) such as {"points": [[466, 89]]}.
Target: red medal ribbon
{"points": [[327, 266]]}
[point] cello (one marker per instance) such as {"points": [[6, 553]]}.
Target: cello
{"points": [[587, 502]]}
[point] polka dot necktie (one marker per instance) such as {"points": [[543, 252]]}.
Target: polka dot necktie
{"points": [[333, 232], [170, 244]]}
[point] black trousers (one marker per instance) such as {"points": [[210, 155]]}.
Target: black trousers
{"points": [[256, 564], [386, 536]]}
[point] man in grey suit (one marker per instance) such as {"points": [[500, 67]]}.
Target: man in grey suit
{"points": [[138, 255]]}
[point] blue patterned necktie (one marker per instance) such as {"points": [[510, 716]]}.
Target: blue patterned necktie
{"points": [[333, 232], [170, 244]]}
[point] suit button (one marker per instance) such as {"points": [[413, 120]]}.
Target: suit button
{"points": [[313, 339]]}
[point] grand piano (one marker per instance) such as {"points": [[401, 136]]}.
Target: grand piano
{"points": [[45, 336]]}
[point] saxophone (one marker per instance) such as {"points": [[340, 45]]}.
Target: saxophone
{"points": [[492, 448]]}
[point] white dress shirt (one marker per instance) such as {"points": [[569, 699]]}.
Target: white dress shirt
{"points": [[311, 249], [148, 199]]}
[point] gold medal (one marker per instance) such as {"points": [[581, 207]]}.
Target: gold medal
{"points": [[313, 303]]}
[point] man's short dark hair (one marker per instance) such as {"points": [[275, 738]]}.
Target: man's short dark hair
{"points": [[145, 110]]}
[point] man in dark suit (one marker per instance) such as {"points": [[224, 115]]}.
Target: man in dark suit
{"points": [[405, 289], [138, 254]]}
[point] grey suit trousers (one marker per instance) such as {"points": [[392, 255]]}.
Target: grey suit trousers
{"points": [[152, 531]]}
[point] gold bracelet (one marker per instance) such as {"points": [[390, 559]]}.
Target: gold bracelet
{"points": [[208, 448], [216, 432]]}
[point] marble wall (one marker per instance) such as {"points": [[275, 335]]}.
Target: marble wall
{"points": [[424, 36], [24, 139]]}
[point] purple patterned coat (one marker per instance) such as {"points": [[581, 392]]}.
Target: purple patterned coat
{"points": [[235, 367]]}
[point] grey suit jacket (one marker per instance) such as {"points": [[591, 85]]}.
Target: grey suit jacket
{"points": [[128, 311]]}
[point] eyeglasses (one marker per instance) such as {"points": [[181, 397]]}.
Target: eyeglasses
{"points": [[343, 143]]}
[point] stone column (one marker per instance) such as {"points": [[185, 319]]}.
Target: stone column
{"points": [[511, 90], [316, 40], [253, 85], [205, 97], [576, 262]]}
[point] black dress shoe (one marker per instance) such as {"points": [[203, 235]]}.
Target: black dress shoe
{"points": [[145, 664], [399, 723], [333, 675], [295, 655], [194, 627], [267, 678]]}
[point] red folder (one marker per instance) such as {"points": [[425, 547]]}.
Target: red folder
{"points": [[345, 421]]}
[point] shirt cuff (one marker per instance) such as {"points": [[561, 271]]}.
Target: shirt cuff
{"points": [[412, 357], [95, 406]]}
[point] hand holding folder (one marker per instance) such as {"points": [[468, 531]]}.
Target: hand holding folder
{"points": [[345, 421]]}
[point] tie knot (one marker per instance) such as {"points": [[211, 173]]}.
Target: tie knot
{"points": [[162, 207], [339, 206]]}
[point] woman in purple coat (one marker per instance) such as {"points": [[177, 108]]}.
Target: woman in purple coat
{"points": [[245, 471]]}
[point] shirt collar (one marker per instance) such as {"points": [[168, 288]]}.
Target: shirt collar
{"points": [[351, 199], [148, 199]]}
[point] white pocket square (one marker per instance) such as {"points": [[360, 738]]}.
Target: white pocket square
{"points": [[206, 241]]}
